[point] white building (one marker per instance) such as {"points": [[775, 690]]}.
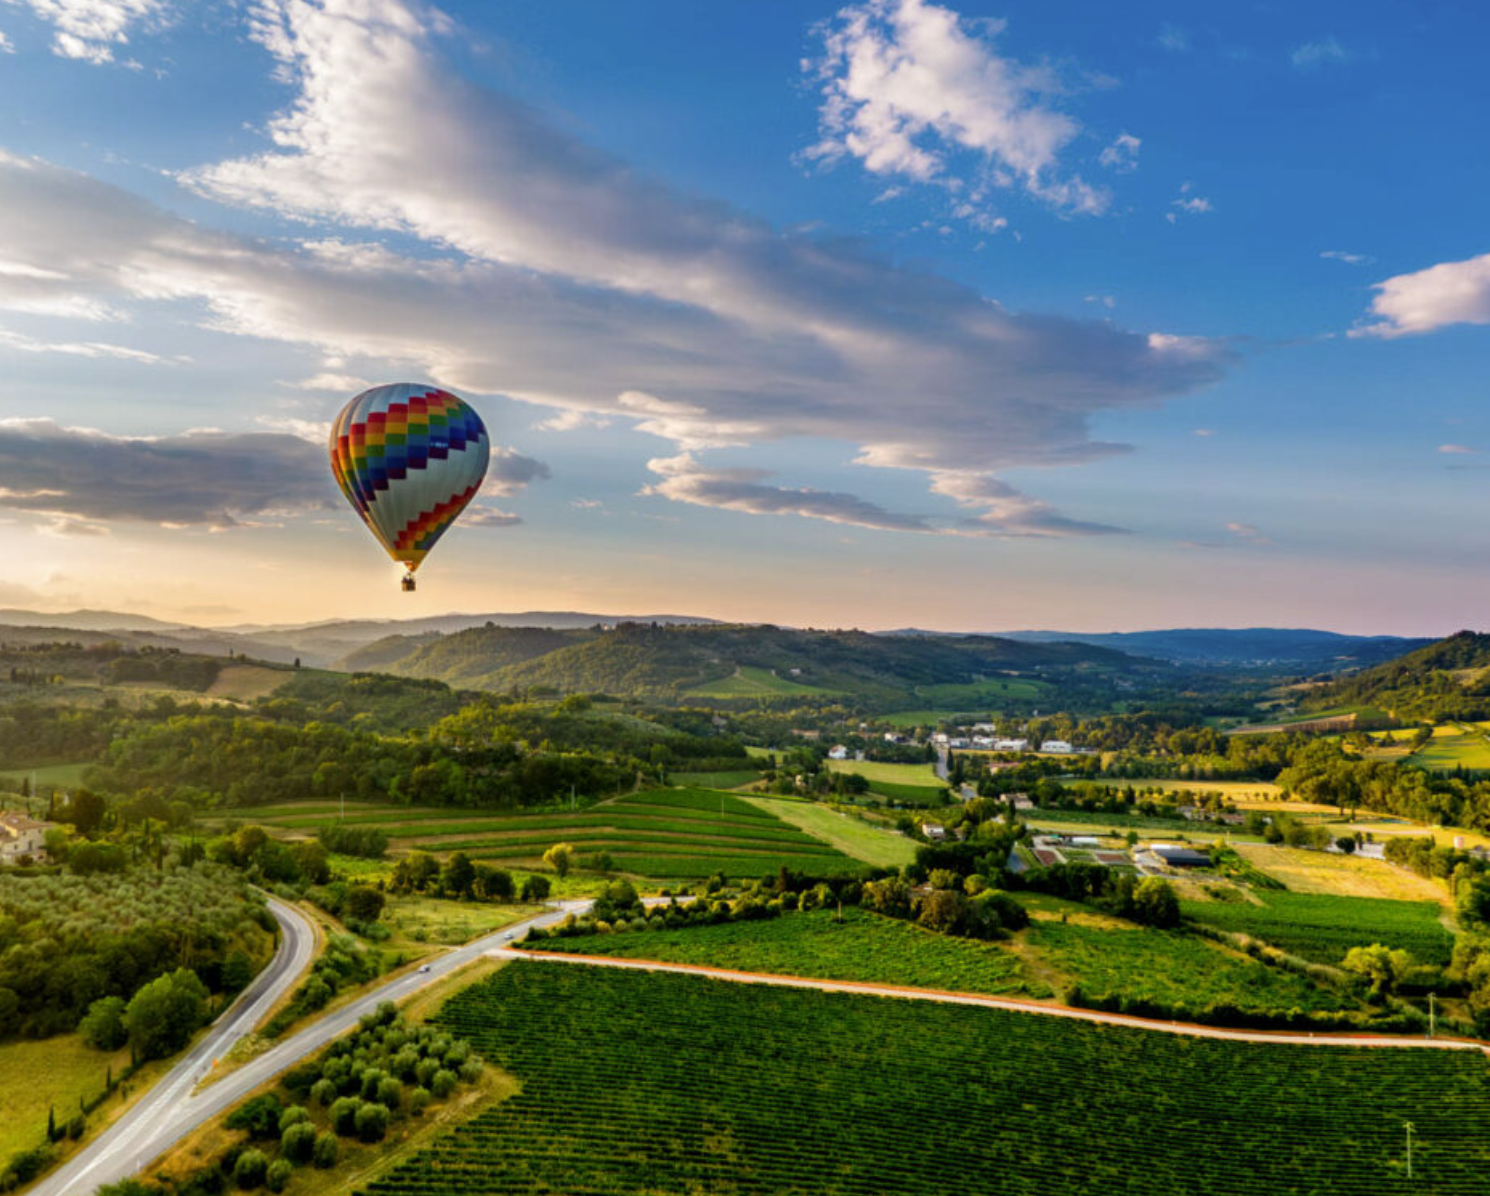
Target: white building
{"points": [[21, 838], [934, 831], [1011, 745], [1059, 746], [838, 752]]}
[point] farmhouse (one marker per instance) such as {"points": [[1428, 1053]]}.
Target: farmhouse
{"points": [[838, 752], [1060, 747], [22, 838], [1011, 745], [934, 831]]}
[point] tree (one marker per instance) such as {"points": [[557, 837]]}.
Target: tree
{"points": [[86, 811], [364, 904], [371, 1122], [103, 1025], [460, 875], [560, 857], [326, 1150], [535, 888], [494, 884], [278, 1175], [237, 971], [250, 1169], [1346, 843], [298, 1142], [162, 1016], [1380, 965], [311, 862], [1155, 903]]}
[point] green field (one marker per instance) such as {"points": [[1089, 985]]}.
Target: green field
{"points": [[1171, 969], [661, 833], [748, 682], [917, 784], [852, 836], [1455, 745], [715, 780], [864, 946], [48, 1073], [1323, 928], [647, 1083], [982, 695], [64, 776]]}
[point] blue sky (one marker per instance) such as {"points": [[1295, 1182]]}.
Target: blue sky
{"points": [[966, 316]]}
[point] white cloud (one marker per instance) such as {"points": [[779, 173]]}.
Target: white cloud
{"points": [[685, 480], [91, 30], [911, 89], [1350, 259], [1006, 511], [619, 298], [1189, 203], [480, 515], [568, 421], [1173, 38], [510, 472], [1122, 154], [1458, 449], [1248, 532], [1448, 293], [1310, 55], [334, 383], [6, 46], [211, 478], [95, 349], [1204, 431]]}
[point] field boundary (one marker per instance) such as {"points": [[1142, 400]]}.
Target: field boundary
{"points": [[1011, 1004]]}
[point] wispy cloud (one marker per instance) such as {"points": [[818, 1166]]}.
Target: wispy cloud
{"points": [[1173, 38], [1426, 300], [1122, 154], [91, 30], [1311, 55], [1248, 532], [912, 90], [1350, 259], [699, 323], [1458, 449], [1188, 203]]}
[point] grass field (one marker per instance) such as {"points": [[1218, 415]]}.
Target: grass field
{"points": [[246, 682], [646, 1083], [852, 836], [1323, 928], [64, 776], [914, 783], [417, 921], [1240, 792], [748, 682], [1340, 875], [1454, 745], [661, 833], [715, 780], [44, 1074]]}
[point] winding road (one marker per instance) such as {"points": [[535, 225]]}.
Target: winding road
{"points": [[175, 1107]]}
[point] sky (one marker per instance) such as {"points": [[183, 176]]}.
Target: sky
{"points": [[967, 316]]}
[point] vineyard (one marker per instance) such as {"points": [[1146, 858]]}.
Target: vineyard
{"points": [[651, 1083], [664, 833], [864, 947], [1323, 928]]}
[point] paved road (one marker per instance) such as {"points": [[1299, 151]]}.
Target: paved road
{"points": [[172, 1109], [949, 998], [115, 1152]]}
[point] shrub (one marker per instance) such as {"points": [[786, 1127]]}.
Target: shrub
{"points": [[259, 1118], [249, 1171], [298, 1142], [419, 1101], [292, 1115], [103, 1024], [443, 1083], [372, 1122], [390, 1094], [326, 1150], [344, 1115], [323, 1092], [278, 1175]]}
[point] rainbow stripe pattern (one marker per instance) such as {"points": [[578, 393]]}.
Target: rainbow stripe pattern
{"points": [[409, 457]]}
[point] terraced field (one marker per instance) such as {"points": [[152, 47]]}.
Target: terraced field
{"points": [[649, 1083], [663, 833], [1323, 928]]}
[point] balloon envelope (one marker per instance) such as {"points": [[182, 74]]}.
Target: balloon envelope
{"points": [[409, 457]]}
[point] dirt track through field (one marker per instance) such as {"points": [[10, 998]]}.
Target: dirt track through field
{"points": [[1006, 1003]]}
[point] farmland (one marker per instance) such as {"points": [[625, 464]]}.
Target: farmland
{"points": [[1331, 873], [864, 947], [661, 1083], [852, 836], [1454, 745], [1323, 928], [748, 682], [914, 783], [663, 833]]}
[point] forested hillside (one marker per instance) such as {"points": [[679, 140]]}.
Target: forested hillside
{"points": [[668, 663], [1449, 679]]}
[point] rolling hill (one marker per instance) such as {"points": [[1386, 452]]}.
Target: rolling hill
{"points": [[723, 661], [1448, 679], [1244, 647]]}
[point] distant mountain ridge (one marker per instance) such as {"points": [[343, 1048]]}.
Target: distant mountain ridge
{"points": [[1446, 679], [1306, 649]]}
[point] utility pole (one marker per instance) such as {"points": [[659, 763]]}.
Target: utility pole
{"points": [[1432, 1015], [1409, 1126]]}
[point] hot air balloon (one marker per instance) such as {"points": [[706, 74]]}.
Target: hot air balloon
{"points": [[409, 457]]}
